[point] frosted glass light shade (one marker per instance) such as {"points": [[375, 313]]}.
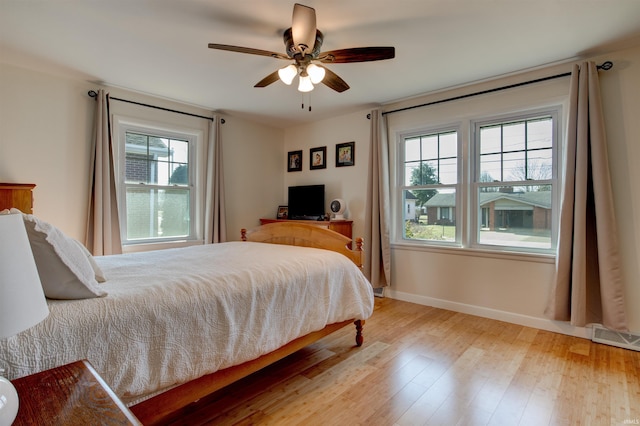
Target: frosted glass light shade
{"points": [[287, 74], [8, 402], [22, 302], [316, 73], [305, 84]]}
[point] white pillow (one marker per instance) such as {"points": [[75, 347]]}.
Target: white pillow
{"points": [[99, 275], [64, 269]]}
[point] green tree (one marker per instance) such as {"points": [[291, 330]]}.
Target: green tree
{"points": [[424, 175]]}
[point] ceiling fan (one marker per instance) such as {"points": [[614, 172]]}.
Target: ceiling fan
{"points": [[303, 42]]}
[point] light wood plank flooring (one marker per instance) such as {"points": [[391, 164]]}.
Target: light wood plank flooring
{"points": [[426, 366]]}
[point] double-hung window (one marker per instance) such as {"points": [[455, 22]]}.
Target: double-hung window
{"points": [[430, 186], [157, 185], [514, 184], [501, 194]]}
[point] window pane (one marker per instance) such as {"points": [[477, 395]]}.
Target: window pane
{"points": [[515, 216], [490, 140], [513, 166], [157, 213], [513, 137], [449, 145], [430, 147], [429, 214], [412, 149], [449, 171], [540, 165], [491, 168], [540, 133]]}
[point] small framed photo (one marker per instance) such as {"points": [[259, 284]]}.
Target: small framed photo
{"points": [[294, 161], [318, 158], [345, 154], [283, 212]]}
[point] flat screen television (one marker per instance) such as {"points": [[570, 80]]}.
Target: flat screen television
{"points": [[306, 202]]}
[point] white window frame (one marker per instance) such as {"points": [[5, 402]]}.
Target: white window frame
{"points": [[124, 125], [428, 131], [475, 213], [467, 215]]}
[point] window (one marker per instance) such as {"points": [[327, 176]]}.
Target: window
{"points": [[430, 182], [157, 197], [514, 182], [506, 200]]}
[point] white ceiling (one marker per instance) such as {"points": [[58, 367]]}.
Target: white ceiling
{"points": [[159, 47]]}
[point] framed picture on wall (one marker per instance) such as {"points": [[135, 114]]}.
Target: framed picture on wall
{"points": [[318, 158], [345, 154], [294, 161]]}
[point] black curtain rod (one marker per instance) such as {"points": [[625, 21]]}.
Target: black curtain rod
{"points": [[605, 66], [93, 94]]}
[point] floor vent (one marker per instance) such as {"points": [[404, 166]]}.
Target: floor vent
{"points": [[378, 292], [616, 338]]}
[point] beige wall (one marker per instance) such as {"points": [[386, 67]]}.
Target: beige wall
{"points": [[45, 138]]}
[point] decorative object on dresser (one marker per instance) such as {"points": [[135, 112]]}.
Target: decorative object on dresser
{"points": [[72, 394], [17, 195], [22, 302], [337, 207]]}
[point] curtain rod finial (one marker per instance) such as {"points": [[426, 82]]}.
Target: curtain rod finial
{"points": [[92, 93], [606, 65]]}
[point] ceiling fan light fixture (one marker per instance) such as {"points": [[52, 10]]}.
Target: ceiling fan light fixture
{"points": [[287, 74], [316, 73], [305, 84]]}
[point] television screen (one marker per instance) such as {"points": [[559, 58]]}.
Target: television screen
{"points": [[306, 202]]}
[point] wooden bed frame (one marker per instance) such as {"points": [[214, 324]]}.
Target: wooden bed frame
{"points": [[158, 408]]}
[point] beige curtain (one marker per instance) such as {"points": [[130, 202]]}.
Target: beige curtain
{"points": [[377, 265], [103, 224], [215, 222], [588, 285]]}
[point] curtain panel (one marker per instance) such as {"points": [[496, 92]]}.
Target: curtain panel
{"points": [[377, 265], [587, 285], [215, 220], [103, 224]]}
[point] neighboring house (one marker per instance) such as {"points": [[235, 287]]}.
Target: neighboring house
{"points": [[410, 206], [500, 210]]}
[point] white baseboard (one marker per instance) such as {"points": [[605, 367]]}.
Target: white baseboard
{"points": [[524, 320]]}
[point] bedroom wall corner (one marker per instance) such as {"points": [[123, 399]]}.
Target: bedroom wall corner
{"points": [[45, 130]]}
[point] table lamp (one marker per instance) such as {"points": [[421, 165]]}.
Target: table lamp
{"points": [[22, 301]]}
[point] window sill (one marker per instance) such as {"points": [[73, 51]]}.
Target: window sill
{"points": [[135, 248], [475, 252]]}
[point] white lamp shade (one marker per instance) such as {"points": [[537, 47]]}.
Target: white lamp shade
{"points": [[287, 74], [22, 301], [316, 73], [305, 84]]}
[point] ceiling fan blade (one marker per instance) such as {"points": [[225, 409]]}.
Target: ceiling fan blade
{"points": [[303, 26], [271, 78], [248, 50], [357, 54], [333, 81]]}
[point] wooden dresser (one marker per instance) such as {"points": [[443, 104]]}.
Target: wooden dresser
{"points": [[344, 227], [18, 195]]}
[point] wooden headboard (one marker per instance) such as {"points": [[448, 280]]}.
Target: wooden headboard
{"points": [[300, 234], [17, 195]]}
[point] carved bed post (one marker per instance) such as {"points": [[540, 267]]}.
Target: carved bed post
{"points": [[359, 338]]}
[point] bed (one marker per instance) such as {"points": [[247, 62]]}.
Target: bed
{"points": [[178, 324]]}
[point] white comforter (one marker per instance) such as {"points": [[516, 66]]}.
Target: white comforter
{"points": [[174, 315]]}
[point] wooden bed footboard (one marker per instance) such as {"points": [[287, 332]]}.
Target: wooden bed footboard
{"points": [[158, 409]]}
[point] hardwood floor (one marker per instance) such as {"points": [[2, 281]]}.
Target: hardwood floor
{"points": [[426, 366]]}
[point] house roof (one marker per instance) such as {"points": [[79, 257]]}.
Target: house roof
{"points": [[538, 198]]}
